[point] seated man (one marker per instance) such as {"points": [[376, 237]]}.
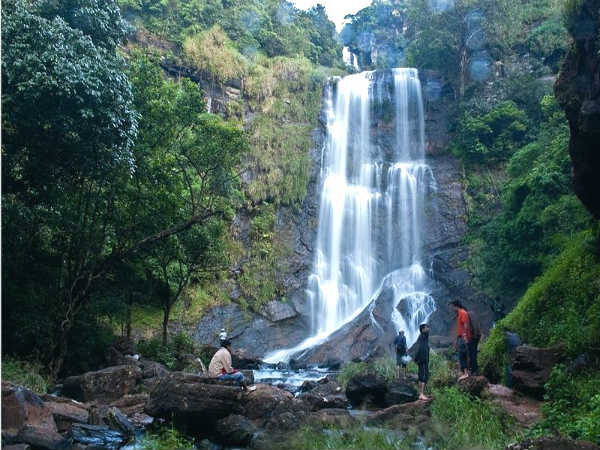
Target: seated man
{"points": [[220, 366]]}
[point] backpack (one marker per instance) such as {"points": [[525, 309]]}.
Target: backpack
{"points": [[474, 326]]}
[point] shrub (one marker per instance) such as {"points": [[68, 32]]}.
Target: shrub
{"points": [[561, 305], [25, 374], [354, 438], [178, 345], [469, 422], [384, 366], [166, 438], [572, 405]]}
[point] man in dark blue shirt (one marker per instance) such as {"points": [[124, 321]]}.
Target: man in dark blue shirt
{"points": [[401, 352]]}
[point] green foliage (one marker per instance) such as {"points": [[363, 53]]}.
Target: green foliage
{"points": [[25, 374], [572, 405], [469, 422], [353, 438], [379, 25], [441, 371], [384, 366], [491, 137], [181, 344], [511, 246], [261, 275], [560, 306], [271, 27], [164, 438]]}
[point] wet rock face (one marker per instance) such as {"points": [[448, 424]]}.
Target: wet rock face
{"points": [[532, 366], [578, 92]]}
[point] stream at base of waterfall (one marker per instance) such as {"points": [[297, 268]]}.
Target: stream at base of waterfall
{"points": [[373, 195]]}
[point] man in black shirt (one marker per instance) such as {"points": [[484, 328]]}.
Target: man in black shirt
{"points": [[422, 359], [401, 350]]}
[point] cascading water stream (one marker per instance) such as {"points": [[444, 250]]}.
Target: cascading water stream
{"points": [[372, 205]]}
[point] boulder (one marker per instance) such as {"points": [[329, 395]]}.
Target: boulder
{"points": [[23, 408], [287, 415], [277, 311], [366, 390], [475, 385], [399, 392], [151, 369], [325, 418], [107, 384], [17, 447], [131, 404], [531, 368], [367, 336], [235, 430], [553, 443], [194, 399], [317, 402], [119, 421], [264, 400], [97, 436], [43, 438], [66, 411], [402, 416]]}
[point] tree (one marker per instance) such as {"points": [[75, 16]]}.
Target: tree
{"points": [[79, 197]]}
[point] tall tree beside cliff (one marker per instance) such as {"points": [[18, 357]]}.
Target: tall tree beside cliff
{"points": [[79, 195]]}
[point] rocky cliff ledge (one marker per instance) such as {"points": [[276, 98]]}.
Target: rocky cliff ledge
{"points": [[578, 92]]}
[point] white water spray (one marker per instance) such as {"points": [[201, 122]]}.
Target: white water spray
{"points": [[372, 206]]}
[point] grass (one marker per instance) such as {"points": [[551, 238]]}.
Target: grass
{"points": [[384, 366], [25, 374], [166, 438], [354, 438], [469, 422]]}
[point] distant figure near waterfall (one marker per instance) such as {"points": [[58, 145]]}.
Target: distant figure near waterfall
{"points": [[421, 357], [401, 353], [463, 337]]}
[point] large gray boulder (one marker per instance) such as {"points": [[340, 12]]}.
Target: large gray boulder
{"points": [[193, 399], [532, 366], [107, 384]]}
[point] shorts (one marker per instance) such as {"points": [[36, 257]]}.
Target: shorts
{"points": [[400, 360], [423, 372]]}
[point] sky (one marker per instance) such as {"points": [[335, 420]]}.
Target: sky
{"points": [[336, 9]]}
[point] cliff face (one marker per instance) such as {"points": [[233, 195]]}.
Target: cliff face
{"points": [[283, 325], [578, 92]]}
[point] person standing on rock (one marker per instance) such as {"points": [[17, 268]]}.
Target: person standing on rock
{"points": [[401, 352], [512, 340], [475, 328], [463, 337], [422, 359], [221, 367]]}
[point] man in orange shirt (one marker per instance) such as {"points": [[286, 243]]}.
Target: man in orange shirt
{"points": [[463, 336]]}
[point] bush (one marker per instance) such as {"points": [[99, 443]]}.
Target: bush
{"points": [[572, 405], [354, 438], [25, 374], [562, 305], [469, 422], [384, 366], [166, 438], [178, 346]]}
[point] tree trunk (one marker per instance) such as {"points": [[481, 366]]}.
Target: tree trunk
{"points": [[165, 324]]}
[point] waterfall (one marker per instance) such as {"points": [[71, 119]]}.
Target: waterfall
{"points": [[372, 205]]}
